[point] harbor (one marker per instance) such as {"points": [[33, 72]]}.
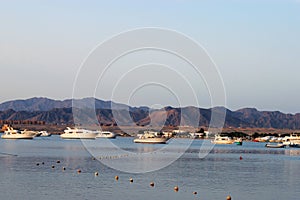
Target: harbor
{"points": [[34, 164]]}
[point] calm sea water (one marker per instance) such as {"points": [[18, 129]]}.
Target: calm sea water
{"points": [[262, 173]]}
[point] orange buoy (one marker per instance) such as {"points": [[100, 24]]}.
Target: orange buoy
{"points": [[78, 171], [131, 180], [241, 158], [116, 178], [195, 193], [176, 188], [228, 197], [152, 184]]}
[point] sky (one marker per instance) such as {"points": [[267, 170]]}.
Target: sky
{"points": [[254, 45]]}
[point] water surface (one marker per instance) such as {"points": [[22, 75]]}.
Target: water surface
{"points": [[262, 173]]}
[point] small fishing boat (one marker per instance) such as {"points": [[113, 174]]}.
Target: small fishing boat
{"points": [[238, 141], [278, 145], [44, 134], [106, 134], [222, 140]]}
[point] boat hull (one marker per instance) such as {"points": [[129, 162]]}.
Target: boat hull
{"points": [[106, 135], [44, 134], [238, 143], [222, 142], [17, 136], [78, 136], [275, 145], [151, 140], [294, 145]]}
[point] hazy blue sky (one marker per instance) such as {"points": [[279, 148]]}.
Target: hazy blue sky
{"points": [[255, 44]]}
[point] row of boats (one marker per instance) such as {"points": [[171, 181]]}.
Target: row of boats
{"points": [[11, 133], [292, 141], [75, 133], [151, 137]]}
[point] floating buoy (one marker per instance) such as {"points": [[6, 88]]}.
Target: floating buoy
{"points": [[176, 188], [63, 168], [131, 180], [37, 164], [53, 166], [241, 158], [78, 171], [152, 184], [96, 173], [58, 161], [228, 197], [195, 193], [93, 158], [43, 163], [117, 178]]}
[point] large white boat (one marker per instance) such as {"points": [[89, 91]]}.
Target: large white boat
{"points": [[11, 133], [291, 140], [151, 138], [106, 134], [222, 140], [76, 133]]}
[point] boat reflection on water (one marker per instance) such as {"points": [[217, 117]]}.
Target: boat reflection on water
{"points": [[292, 152]]}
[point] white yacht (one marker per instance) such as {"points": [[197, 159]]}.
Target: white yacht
{"points": [[11, 133], [106, 134], [76, 133], [222, 140], [151, 138]]}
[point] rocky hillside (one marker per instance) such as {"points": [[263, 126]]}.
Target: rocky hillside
{"points": [[45, 104], [109, 113]]}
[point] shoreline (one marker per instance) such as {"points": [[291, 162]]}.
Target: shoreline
{"points": [[131, 131]]}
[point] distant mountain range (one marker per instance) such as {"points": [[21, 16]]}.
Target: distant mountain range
{"points": [[60, 112], [45, 104]]}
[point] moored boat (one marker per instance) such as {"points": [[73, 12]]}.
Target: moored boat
{"points": [[32, 133], [151, 138], [44, 134], [106, 134], [238, 141], [293, 139], [222, 140], [76, 133], [11, 133], [278, 145]]}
